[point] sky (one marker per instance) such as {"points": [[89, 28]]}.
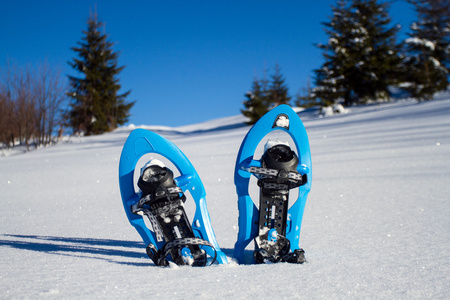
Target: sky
{"points": [[185, 61]]}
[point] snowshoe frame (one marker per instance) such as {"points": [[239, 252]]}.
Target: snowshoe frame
{"points": [[141, 142]]}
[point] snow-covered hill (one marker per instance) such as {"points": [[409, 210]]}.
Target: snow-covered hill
{"points": [[376, 224]]}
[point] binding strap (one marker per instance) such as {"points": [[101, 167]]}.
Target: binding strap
{"points": [[296, 257], [283, 179], [279, 251], [159, 256]]}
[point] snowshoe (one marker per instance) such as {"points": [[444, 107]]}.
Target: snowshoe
{"points": [[161, 197], [273, 226]]}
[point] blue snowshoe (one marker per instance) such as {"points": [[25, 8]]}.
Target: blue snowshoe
{"points": [[273, 226], [161, 197]]}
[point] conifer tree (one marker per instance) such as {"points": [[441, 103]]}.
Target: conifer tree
{"points": [[96, 106], [265, 95], [257, 102], [305, 96], [278, 90], [331, 80], [361, 56], [428, 49]]}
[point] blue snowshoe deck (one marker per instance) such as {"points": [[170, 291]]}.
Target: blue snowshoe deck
{"points": [[141, 142]]}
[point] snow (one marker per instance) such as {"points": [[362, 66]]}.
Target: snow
{"points": [[282, 122], [376, 223], [435, 62], [333, 41], [418, 41], [328, 111]]}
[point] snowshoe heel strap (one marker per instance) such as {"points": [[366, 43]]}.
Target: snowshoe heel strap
{"points": [[296, 257], [263, 256], [159, 257], [155, 256], [276, 251], [158, 183], [280, 157]]}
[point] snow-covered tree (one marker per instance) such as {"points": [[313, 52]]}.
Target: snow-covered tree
{"points": [[428, 49], [330, 80], [361, 56]]}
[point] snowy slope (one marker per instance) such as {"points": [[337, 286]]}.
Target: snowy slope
{"points": [[376, 224]]}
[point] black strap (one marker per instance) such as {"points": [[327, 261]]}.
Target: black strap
{"points": [[163, 193], [273, 173], [159, 256], [296, 257], [284, 180], [155, 255], [268, 253]]}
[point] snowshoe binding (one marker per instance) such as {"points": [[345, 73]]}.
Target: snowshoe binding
{"points": [[162, 201], [276, 176]]}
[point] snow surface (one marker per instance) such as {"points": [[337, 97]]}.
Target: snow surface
{"points": [[376, 224]]}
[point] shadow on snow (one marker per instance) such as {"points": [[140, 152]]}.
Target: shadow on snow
{"points": [[101, 249], [80, 247]]}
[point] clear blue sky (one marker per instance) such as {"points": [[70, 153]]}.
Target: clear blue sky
{"points": [[185, 61]]}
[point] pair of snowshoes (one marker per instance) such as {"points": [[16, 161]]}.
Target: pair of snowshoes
{"points": [[274, 227]]}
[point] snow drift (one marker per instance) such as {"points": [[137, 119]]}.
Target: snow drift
{"points": [[376, 223]]}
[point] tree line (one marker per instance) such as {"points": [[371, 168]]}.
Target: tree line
{"points": [[30, 105], [36, 104], [362, 58]]}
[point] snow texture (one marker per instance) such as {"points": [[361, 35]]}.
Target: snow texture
{"points": [[376, 223]]}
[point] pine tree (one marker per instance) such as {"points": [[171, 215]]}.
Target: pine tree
{"points": [[257, 102], [331, 81], [361, 56], [265, 95], [428, 49], [278, 91], [305, 97], [96, 106], [381, 59]]}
